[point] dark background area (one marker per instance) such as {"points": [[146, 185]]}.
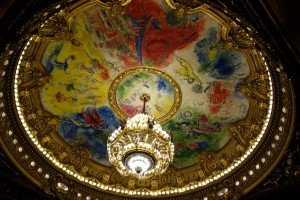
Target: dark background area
{"points": [[278, 23], [4, 5]]}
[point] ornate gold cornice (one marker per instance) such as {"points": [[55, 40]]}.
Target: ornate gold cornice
{"points": [[49, 162]]}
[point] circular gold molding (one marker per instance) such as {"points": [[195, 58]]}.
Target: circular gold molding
{"points": [[150, 70]]}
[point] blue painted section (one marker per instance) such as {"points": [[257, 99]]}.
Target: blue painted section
{"points": [[163, 84], [214, 60], [140, 26], [52, 63], [80, 130], [48, 62]]}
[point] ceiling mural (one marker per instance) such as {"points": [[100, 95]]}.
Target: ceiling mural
{"points": [[149, 34], [84, 67]]}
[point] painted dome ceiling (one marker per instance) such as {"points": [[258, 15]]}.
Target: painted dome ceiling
{"points": [[83, 70]]}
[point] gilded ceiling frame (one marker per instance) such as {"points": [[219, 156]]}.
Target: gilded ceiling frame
{"points": [[47, 175]]}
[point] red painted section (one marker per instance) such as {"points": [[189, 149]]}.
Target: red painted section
{"points": [[93, 120], [159, 44], [130, 111], [59, 97], [214, 109], [219, 95], [179, 146], [104, 73]]}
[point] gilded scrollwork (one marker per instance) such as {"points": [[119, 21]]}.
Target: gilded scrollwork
{"points": [[115, 6], [183, 7], [237, 38], [32, 80], [58, 28], [239, 132], [168, 178], [77, 158]]}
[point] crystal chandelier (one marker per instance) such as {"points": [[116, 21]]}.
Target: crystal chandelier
{"points": [[140, 147]]}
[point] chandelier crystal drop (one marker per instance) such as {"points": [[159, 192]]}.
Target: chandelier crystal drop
{"points": [[140, 147]]}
